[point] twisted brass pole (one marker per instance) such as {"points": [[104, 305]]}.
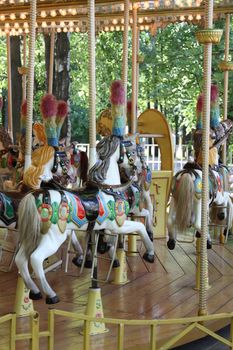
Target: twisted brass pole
{"points": [[205, 161], [30, 87], [125, 49], [92, 83], [226, 78]]}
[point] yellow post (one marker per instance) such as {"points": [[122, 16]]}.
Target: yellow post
{"points": [[95, 309], [51, 330], [221, 237], [13, 332], [120, 273], [23, 305], [35, 331], [132, 245]]}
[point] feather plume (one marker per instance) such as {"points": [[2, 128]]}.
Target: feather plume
{"points": [[117, 93]]}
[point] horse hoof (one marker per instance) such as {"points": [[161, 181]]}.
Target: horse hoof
{"points": [[88, 264], [149, 257], [116, 263], [35, 296], [53, 300], [77, 261], [171, 243], [209, 244]]}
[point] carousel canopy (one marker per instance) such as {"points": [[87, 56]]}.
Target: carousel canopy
{"points": [[72, 15]]}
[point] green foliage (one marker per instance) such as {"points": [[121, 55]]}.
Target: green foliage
{"points": [[170, 78]]}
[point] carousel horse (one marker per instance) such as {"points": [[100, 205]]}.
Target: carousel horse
{"points": [[137, 194], [46, 217], [9, 154], [77, 171], [185, 206], [44, 165]]}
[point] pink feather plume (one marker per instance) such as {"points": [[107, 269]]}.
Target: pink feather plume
{"points": [[62, 109], [117, 93], [48, 106], [214, 93]]}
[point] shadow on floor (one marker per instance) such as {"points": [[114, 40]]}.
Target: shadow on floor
{"points": [[207, 343]]}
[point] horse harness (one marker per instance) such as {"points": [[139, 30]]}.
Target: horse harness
{"points": [[60, 158]]}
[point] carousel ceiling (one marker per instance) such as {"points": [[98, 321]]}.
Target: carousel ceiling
{"points": [[72, 15]]}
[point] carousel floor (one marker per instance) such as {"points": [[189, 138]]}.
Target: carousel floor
{"points": [[166, 291]]}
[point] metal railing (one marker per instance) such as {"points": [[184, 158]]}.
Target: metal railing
{"points": [[188, 324]]}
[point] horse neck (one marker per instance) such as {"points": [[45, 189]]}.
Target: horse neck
{"points": [[113, 174], [47, 174]]}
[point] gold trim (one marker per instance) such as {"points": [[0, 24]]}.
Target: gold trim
{"points": [[207, 36], [225, 66]]}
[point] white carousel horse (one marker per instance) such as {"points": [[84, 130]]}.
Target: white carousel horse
{"points": [[185, 206], [138, 194], [43, 161], [47, 216]]}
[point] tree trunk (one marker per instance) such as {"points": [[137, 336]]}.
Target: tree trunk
{"points": [[16, 83], [61, 77], [47, 57]]}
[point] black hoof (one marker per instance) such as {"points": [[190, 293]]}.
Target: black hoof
{"points": [[171, 243], [35, 296], [77, 261], [53, 300], [149, 257], [209, 244], [88, 264], [116, 263]]}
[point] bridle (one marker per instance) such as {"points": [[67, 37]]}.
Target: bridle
{"points": [[124, 144], [60, 158]]}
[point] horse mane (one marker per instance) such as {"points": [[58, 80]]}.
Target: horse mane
{"points": [[184, 199], [40, 158], [105, 149], [5, 138]]}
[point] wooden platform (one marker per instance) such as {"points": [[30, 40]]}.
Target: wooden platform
{"points": [[167, 291]]}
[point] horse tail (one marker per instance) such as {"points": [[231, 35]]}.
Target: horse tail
{"points": [[83, 166], [28, 224], [183, 198]]}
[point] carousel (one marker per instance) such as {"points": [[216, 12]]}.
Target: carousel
{"points": [[102, 258]]}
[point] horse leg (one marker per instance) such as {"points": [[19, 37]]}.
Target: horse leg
{"points": [[171, 243], [149, 205], [197, 223], [111, 241], [132, 226], [148, 223], [78, 258], [49, 244], [22, 264]]}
